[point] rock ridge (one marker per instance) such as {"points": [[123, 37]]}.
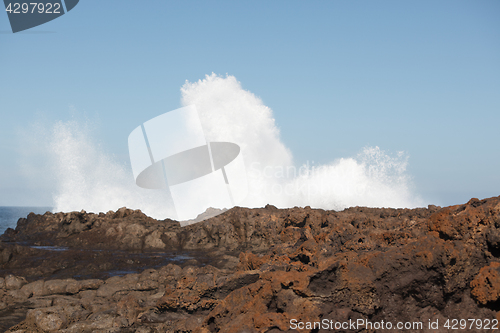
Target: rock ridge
{"points": [[251, 270]]}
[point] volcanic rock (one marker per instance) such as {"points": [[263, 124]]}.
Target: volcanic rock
{"points": [[252, 270]]}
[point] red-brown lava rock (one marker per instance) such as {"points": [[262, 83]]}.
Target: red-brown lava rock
{"points": [[252, 270]]}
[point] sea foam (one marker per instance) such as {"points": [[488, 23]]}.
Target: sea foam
{"points": [[90, 179]]}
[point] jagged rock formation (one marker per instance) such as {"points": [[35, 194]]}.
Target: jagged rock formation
{"points": [[254, 270]]}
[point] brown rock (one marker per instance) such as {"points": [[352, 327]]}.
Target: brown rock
{"points": [[486, 285], [14, 282], [52, 287], [34, 289], [48, 319], [301, 263]]}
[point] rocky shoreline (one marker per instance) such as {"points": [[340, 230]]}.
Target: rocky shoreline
{"points": [[251, 270]]}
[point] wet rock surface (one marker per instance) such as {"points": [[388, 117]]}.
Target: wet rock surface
{"points": [[251, 270]]}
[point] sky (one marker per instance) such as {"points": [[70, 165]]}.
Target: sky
{"points": [[421, 77]]}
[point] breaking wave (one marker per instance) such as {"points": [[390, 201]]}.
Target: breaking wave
{"points": [[90, 179]]}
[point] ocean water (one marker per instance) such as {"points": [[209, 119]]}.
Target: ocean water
{"points": [[10, 215]]}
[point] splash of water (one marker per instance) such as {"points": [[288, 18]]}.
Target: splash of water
{"points": [[90, 179]]}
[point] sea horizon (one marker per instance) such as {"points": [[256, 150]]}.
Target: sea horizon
{"points": [[9, 215]]}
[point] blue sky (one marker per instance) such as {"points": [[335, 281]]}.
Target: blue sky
{"points": [[421, 77]]}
